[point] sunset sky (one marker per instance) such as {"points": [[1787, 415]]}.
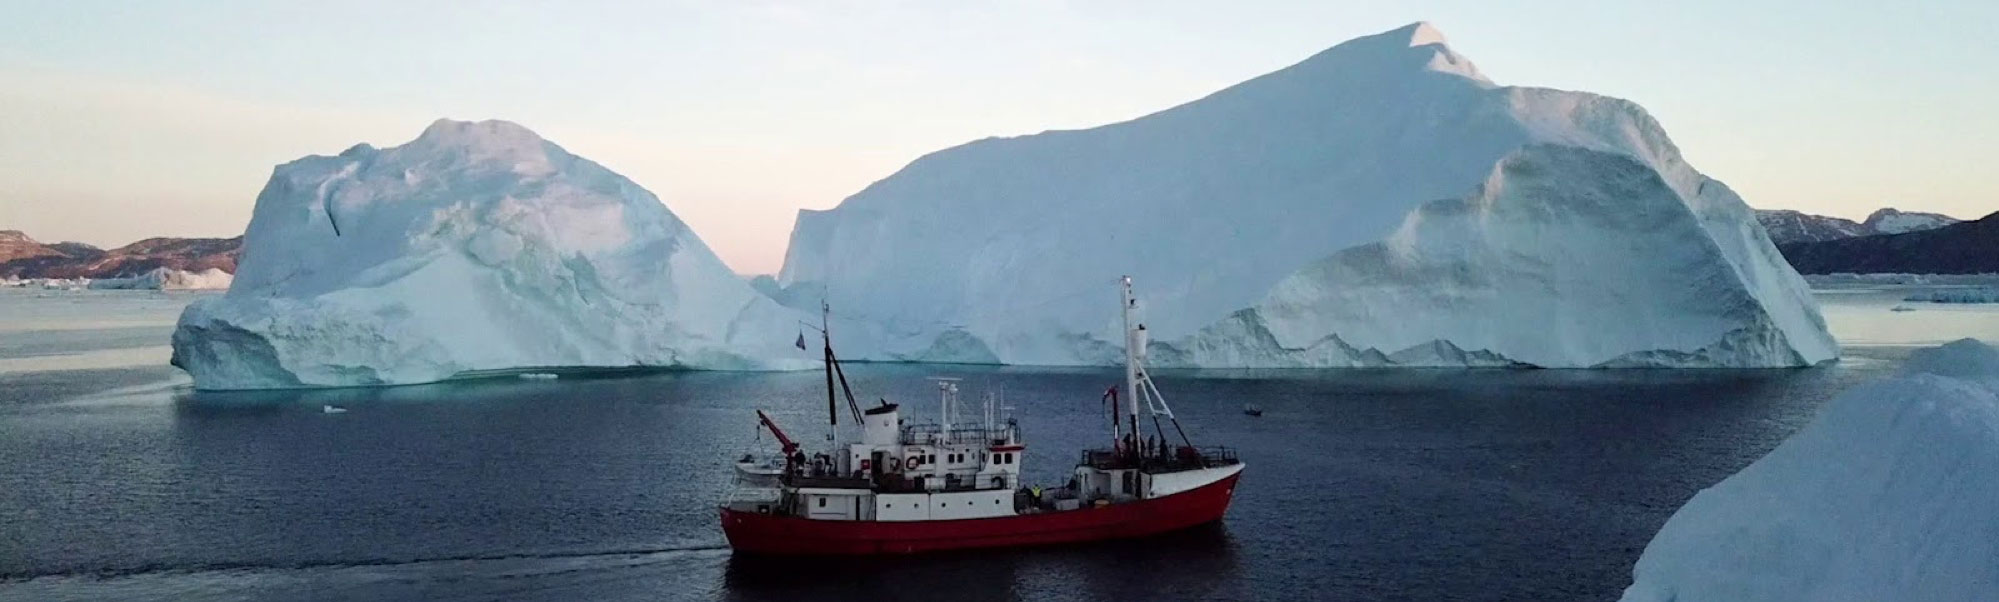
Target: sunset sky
{"points": [[120, 121]]}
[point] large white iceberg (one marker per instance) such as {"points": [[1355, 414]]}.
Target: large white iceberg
{"points": [[1006, 249], [477, 246], [1891, 493]]}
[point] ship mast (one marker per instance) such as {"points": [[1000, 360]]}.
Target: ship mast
{"points": [[1137, 382], [1132, 349], [826, 343], [833, 369]]}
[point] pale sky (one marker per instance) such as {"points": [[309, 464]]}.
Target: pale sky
{"points": [[122, 120]]}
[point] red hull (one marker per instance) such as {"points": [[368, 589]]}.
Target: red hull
{"points": [[753, 533]]}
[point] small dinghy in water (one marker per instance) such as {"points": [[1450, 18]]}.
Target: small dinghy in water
{"points": [[1252, 410], [332, 409]]}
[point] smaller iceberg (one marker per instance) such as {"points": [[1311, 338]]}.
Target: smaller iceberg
{"points": [[1975, 294], [1892, 493], [476, 247], [168, 279]]}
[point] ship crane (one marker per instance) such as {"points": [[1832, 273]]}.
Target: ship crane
{"points": [[790, 447]]}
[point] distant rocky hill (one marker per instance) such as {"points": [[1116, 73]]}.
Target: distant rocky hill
{"points": [[24, 257], [1786, 226], [16, 245], [1960, 248]]}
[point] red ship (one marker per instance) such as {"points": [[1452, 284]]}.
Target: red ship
{"points": [[907, 488]]}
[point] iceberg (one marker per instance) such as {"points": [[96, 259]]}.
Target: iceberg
{"points": [[1972, 294], [1563, 257], [1265, 198], [1887, 495], [476, 247], [169, 279]]}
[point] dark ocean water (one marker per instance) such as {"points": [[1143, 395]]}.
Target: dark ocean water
{"points": [[117, 482], [1360, 485]]}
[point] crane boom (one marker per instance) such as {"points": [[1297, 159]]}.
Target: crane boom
{"points": [[790, 447]]}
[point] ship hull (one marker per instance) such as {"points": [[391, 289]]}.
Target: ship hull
{"points": [[754, 533]]}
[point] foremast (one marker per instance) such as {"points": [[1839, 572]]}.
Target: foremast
{"points": [[1138, 383]]}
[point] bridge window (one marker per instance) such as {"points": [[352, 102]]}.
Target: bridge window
{"points": [[822, 502]]}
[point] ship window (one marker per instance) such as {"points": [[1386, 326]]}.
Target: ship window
{"points": [[822, 502]]}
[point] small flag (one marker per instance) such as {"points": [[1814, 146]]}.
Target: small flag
{"points": [[801, 341]]}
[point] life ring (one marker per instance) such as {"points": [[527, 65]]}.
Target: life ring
{"points": [[914, 462]]}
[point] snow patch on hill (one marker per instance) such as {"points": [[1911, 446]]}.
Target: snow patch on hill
{"points": [[1889, 220]]}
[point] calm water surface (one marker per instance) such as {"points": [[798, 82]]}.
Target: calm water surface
{"points": [[118, 482]]}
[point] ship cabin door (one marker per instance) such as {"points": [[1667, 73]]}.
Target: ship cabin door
{"points": [[875, 466]]}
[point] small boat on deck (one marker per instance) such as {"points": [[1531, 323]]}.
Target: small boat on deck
{"points": [[953, 484]]}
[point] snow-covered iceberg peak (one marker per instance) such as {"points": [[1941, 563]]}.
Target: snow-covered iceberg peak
{"points": [[1414, 50], [1434, 50], [477, 246], [1891, 493]]}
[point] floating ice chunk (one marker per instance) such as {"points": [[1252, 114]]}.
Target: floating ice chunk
{"points": [[1889, 494]]}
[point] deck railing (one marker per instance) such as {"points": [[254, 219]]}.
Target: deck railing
{"points": [[931, 434], [1171, 458]]}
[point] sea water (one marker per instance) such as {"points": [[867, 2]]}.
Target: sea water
{"points": [[119, 482]]}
